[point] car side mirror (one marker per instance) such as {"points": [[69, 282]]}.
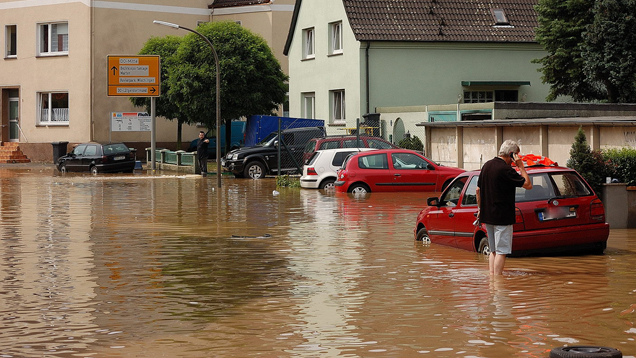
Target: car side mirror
{"points": [[432, 201], [275, 143]]}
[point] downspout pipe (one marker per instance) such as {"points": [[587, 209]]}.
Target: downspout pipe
{"points": [[366, 55]]}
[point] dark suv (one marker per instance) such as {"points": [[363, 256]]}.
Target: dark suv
{"points": [[344, 141], [262, 159]]}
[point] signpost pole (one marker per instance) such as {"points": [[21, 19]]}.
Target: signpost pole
{"points": [[153, 135]]}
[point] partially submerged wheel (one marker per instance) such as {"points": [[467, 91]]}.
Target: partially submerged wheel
{"points": [[63, 168], [484, 248], [585, 352], [327, 184], [422, 235], [255, 170], [359, 188], [94, 170]]}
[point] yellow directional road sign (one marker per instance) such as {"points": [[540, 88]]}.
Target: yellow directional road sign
{"points": [[134, 76]]}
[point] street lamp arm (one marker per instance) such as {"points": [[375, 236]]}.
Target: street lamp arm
{"points": [[164, 23]]}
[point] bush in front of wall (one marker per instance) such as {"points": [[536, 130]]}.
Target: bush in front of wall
{"points": [[623, 164], [411, 142], [592, 165]]}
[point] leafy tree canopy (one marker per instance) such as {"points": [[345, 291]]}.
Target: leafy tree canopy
{"points": [[252, 81], [590, 49]]}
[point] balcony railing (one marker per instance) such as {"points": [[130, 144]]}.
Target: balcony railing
{"points": [[58, 115]]}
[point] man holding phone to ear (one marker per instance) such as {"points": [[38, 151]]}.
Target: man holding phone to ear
{"points": [[496, 187]]}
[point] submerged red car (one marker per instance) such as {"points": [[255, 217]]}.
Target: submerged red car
{"points": [[392, 170], [560, 214]]}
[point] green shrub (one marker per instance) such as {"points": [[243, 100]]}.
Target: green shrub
{"points": [[411, 142], [287, 181], [623, 164], [590, 164]]}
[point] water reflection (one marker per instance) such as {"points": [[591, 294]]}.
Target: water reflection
{"points": [[168, 265]]}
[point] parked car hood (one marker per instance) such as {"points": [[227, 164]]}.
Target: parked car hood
{"points": [[252, 150]]}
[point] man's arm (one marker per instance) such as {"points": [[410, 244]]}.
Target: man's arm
{"points": [[478, 196], [522, 170]]}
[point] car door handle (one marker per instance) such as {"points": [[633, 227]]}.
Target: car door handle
{"points": [[475, 214], [397, 175], [451, 215]]}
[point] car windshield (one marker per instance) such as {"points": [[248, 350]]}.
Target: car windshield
{"points": [[116, 148], [269, 140]]}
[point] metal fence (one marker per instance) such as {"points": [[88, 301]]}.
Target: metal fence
{"points": [[295, 145]]}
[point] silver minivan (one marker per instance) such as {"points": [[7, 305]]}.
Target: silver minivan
{"points": [[320, 170]]}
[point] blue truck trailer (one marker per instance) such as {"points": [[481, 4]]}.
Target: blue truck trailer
{"points": [[259, 127]]}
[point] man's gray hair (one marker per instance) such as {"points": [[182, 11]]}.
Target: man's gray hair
{"points": [[508, 146]]}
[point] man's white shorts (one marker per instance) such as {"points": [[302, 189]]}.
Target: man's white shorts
{"points": [[500, 238]]}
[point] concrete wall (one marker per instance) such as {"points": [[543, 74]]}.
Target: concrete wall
{"points": [[410, 74], [479, 144]]}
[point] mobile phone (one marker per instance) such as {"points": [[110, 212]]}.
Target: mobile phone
{"points": [[512, 156]]}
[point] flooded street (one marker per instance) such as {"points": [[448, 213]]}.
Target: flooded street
{"points": [[170, 266]]}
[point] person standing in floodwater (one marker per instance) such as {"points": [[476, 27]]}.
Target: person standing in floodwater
{"points": [[202, 153], [496, 188]]}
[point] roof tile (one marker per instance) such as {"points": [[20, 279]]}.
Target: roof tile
{"points": [[441, 20]]}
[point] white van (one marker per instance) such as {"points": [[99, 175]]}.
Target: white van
{"points": [[320, 170]]}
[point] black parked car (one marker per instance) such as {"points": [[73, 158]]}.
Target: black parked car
{"points": [[262, 159], [98, 158]]}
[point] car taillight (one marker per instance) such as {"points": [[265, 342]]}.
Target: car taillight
{"points": [[311, 171], [597, 210], [104, 159], [518, 216]]}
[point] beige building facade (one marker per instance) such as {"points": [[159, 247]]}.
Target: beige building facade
{"points": [[54, 72]]}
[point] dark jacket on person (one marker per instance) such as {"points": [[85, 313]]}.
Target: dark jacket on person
{"points": [[202, 147], [497, 185]]}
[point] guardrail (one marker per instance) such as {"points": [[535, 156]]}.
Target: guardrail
{"points": [[180, 160]]}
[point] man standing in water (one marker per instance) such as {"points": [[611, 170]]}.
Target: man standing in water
{"points": [[202, 153], [496, 201]]}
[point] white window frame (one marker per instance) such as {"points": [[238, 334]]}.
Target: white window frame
{"points": [[46, 30], [50, 115], [335, 38], [11, 41], [338, 107], [309, 43], [308, 105]]}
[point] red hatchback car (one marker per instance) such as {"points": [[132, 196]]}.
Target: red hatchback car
{"points": [[560, 214], [392, 170]]}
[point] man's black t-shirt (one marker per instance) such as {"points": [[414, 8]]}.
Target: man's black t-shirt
{"points": [[497, 182], [202, 147]]}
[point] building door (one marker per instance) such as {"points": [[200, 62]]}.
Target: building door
{"points": [[14, 116]]}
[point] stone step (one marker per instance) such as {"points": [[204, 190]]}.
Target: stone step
{"points": [[10, 153]]}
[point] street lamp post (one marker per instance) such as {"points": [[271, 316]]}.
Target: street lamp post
{"points": [[218, 95]]}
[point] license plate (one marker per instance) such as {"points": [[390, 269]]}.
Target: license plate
{"points": [[120, 157], [555, 213]]}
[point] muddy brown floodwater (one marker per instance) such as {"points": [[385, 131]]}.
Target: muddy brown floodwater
{"points": [[170, 266]]}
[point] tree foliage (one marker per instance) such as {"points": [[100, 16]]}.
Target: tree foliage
{"points": [[590, 49], [252, 81]]}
